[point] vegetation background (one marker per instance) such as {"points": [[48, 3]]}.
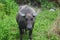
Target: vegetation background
{"points": [[43, 29]]}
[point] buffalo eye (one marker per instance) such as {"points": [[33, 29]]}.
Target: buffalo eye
{"points": [[31, 18]]}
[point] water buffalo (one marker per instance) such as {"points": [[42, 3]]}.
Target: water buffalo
{"points": [[25, 19]]}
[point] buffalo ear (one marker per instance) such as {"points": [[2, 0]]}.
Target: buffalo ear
{"points": [[35, 14]]}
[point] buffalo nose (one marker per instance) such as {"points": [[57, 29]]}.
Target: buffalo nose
{"points": [[29, 28]]}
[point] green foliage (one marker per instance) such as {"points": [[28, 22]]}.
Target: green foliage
{"points": [[47, 4], [42, 26], [8, 26]]}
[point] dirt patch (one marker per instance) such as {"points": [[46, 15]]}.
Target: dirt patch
{"points": [[55, 27]]}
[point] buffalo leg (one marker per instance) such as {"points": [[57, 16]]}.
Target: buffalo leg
{"points": [[30, 34], [21, 33], [25, 30]]}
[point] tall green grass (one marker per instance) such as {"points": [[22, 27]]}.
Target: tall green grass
{"points": [[43, 25]]}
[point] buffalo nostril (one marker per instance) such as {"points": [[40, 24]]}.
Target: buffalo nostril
{"points": [[29, 28]]}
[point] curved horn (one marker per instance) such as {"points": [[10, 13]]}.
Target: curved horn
{"points": [[22, 14], [35, 14]]}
